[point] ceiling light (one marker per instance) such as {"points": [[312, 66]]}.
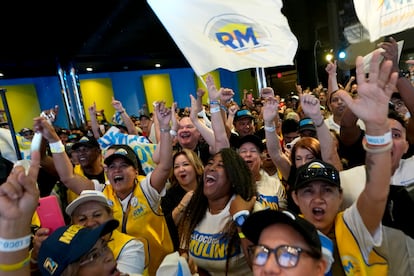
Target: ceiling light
{"points": [[157, 65], [89, 69], [1, 75]]}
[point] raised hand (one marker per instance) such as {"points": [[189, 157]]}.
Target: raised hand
{"points": [[163, 114], [374, 92], [213, 93], [311, 106], [270, 109], [391, 52], [117, 105], [19, 197], [331, 68]]}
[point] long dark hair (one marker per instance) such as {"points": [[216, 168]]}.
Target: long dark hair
{"points": [[241, 179]]}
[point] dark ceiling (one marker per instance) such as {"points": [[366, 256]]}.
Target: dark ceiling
{"points": [[110, 35]]}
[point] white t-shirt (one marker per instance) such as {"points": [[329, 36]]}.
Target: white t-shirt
{"points": [[207, 246], [353, 180], [131, 259], [270, 192]]}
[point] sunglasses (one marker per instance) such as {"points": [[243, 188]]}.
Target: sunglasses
{"points": [[315, 172]]}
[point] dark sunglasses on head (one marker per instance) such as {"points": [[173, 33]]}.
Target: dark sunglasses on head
{"points": [[315, 172]]}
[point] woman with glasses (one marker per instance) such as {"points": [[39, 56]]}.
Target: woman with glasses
{"points": [[283, 244]]}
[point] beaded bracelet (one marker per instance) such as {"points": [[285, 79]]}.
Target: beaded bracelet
{"points": [[215, 102], [16, 266]]}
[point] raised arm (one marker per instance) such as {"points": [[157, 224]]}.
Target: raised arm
{"points": [[206, 132], [311, 107], [161, 172], [371, 106], [332, 81], [349, 83], [129, 124], [19, 198], [94, 122], [279, 158], [217, 121], [64, 168], [404, 86]]}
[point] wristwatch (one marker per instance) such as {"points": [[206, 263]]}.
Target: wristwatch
{"points": [[240, 217]]}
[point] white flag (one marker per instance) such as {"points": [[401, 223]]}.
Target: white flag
{"points": [[229, 34], [386, 17]]}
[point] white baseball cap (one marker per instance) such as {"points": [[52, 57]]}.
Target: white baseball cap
{"points": [[85, 196]]}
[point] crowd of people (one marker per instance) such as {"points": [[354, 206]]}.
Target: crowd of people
{"points": [[317, 183]]}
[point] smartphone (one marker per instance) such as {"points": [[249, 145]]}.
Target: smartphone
{"points": [[50, 213]]}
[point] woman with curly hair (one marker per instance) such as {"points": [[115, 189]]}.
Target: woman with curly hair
{"points": [[207, 232]]}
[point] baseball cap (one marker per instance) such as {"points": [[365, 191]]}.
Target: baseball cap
{"points": [[256, 222], [86, 141], [85, 196], [317, 170], [306, 124], [144, 116], [24, 130], [68, 244], [125, 152], [242, 113], [252, 139]]}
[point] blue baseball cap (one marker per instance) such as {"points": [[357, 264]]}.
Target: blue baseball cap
{"points": [[68, 244]]}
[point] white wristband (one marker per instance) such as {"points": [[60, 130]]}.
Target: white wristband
{"points": [[12, 245], [379, 140], [57, 147], [214, 109], [270, 129]]}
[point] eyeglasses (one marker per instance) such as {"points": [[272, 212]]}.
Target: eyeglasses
{"points": [[95, 253], [286, 256], [314, 172]]}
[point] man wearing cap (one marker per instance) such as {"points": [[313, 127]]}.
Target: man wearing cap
{"points": [[307, 128], [26, 133], [270, 190], [294, 242], [357, 231], [135, 200], [243, 125], [89, 156]]}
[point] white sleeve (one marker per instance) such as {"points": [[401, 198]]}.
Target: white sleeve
{"points": [[152, 195], [131, 259], [98, 186], [363, 237]]}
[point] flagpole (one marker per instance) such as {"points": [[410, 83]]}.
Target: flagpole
{"points": [[261, 79]]}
